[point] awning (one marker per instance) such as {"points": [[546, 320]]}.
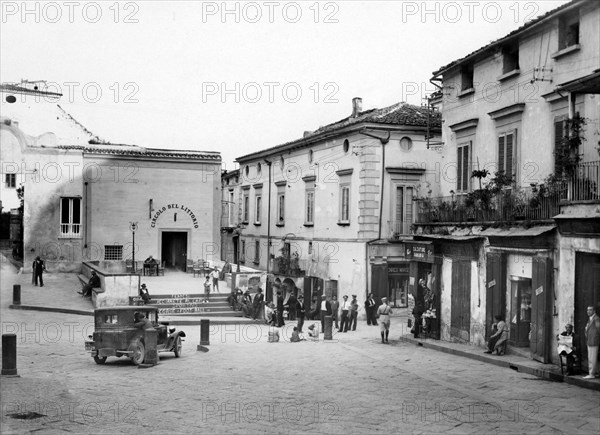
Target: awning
{"points": [[517, 231], [448, 237], [589, 84]]}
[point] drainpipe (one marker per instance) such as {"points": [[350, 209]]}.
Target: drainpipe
{"points": [[269, 223], [85, 241]]}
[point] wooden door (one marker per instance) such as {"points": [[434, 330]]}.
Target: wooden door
{"points": [[587, 293], [495, 301], [379, 281], [460, 319], [542, 295]]}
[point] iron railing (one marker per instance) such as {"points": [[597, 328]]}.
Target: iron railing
{"points": [[584, 182]]}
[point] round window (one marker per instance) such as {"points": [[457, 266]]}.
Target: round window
{"points": [[406, 143]]}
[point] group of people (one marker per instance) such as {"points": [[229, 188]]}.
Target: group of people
{"points": [[213, 276]]}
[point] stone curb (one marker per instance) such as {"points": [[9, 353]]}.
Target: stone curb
{"points": [[507, 363], [51, 309]]}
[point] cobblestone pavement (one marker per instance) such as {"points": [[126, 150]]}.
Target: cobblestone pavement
{"points": [[244, 384]]}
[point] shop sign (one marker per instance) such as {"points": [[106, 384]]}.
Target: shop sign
{"points": [[419, 251], [175, 207], [397, 268]]}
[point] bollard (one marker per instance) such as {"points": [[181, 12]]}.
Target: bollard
{"points": [[9, 355], [151, 354], [327, 333], [17, 294], [204, 332]]}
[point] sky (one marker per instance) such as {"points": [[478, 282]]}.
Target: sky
{"points": [[238, 77]]}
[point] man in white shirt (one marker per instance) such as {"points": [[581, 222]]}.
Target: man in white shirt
{"points": [[344, 319], [215, 279], [325, 311]]}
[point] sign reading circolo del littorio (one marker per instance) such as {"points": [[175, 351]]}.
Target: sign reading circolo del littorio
{"points": [[173, 207]]}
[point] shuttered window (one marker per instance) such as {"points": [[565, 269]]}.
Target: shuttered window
{"points": [[559, 134], [463, 167], [506, 153]]}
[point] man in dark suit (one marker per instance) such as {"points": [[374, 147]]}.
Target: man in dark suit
{"points": [[38, 269], [325, 311], [291, 302], [257, 303], [371, 309], [301, 312], [280, 321]]}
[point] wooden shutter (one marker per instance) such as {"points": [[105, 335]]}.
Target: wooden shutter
{"points": [[541, 303], [462, 170], [501, 155], [495, 300], [466, 158], [509, 140]]}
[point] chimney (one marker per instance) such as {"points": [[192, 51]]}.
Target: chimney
{"points": [[356, 106], [307, 133]]}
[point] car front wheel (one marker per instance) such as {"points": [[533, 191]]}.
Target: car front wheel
{"points": [[139, 352], [177, 348], [99, 360]]}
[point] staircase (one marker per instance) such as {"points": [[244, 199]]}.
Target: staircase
{"points": [[190, 305]]}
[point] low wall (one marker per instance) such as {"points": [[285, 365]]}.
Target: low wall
{"points": [[117, 286]]}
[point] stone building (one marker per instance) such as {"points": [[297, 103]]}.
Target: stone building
{"points": [[310, 207], [515, 229]]}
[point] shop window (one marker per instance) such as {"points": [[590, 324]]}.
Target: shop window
{"points": [[70, 217], [113, 252], [520, 311], [10, 181]]}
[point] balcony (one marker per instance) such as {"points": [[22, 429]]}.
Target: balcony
{"points": [[397, 229], [70, 231], [535, 203]]}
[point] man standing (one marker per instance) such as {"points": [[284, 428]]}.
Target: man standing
{"points": [[280, 321], [38, 269], [335, 307], [301, 312], [257, 303], [370, 308], [384, 312], [291, 302], [592, 336], [215, 279], [325, 311], [353, 313], [345, 307]]}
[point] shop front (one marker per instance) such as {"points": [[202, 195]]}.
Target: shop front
{"points": [[389, 273], [424, 287]]}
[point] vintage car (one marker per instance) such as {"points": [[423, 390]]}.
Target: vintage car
{"points": [[116, 334]]}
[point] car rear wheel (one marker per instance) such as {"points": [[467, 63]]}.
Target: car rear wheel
{"points": [[177, 347], [139, 351], [99, 360]]}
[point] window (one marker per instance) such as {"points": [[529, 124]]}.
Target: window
{"points": [[310, 248], [310, 156], [506, 153], [113, 252], [463, 166], [258, 169], [230, 208], [70, 217], [246, 207], [510, 58], [559, 134], [344, 203], [11, 181], [256, 251], [568, 31], [258, 204], [243, 252], [310, 207], [346, 146], [466, 77], [280, 209], [403, 210]]}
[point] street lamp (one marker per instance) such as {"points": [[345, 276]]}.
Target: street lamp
{"points": [[133, 226]]}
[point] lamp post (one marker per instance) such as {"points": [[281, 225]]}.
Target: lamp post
{"points": [[133, 227]]}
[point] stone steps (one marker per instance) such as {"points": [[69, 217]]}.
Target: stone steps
{"points": [[190, 305]]}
